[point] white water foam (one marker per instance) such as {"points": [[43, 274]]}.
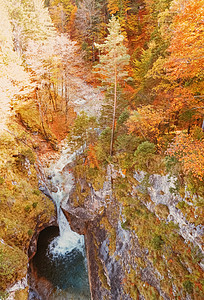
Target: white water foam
{"points": [[67, 241], [63, 180]]}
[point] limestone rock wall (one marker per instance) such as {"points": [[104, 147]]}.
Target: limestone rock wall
{"points": [[160, 191], [122, 263]]}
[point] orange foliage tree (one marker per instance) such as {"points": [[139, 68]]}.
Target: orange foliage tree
{"points": [[186, 49], [115, 6], [91, 159], [185, 63], [145, 122], [190, 152], [178, 76], [63, 13], [181, 108]]}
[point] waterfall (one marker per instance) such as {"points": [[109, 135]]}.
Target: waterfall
{"points": [[68, 240]]}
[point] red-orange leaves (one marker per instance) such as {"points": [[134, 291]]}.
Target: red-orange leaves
{"points": [[115, 6], [187, 44], [145, 122], [190, 152], [91, 158]]}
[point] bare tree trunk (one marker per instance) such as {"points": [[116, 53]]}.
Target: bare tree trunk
{"points": [[55, 97], [50, 95], [93, 50], [62, 94], [40, 113], [67, 102], [189, 128], [66, 99], [114, 112]]}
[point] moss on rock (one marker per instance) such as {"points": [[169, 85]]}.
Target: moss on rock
{"points": [[162, 211], [19, 213], [30, 116]]}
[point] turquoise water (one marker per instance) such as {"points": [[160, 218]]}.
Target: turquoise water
{"points": [[66, 272]]}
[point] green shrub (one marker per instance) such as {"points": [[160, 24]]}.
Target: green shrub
{"points": [[196, 255], [82, 131], [170, 162], [145, 148], [181, 204], [30, 232], [188, 286], [12, 263], [157, 242], [199, 202], [187, 115], [105, 136], [123, 117], [102, 147], [35, 204], [125, 225], [27, 208], [144, 155], [36, 192], [127, 142], [194, 185]]}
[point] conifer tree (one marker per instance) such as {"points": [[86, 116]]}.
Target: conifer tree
{"points": [[113, 60]]}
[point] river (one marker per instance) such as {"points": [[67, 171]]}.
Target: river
{"points": [[60, 261]]}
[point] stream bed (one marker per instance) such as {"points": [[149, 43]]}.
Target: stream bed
{"points": [[58, 271]]}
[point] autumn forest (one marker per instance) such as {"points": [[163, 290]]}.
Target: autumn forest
{"points": [[139, 64]]}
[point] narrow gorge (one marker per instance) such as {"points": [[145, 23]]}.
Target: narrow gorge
{"points": [[101, 150], [113, 249]]}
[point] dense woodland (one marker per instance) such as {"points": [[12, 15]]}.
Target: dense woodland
{"points": [[146, 57], [146, 54]]}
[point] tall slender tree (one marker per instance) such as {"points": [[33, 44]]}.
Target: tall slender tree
{"points": [[113, 62], [61, 12], [88, 24]]}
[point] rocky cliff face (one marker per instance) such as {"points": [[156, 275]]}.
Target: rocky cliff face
{"points": [[164, 203], [22, 208], [139, 244]]}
